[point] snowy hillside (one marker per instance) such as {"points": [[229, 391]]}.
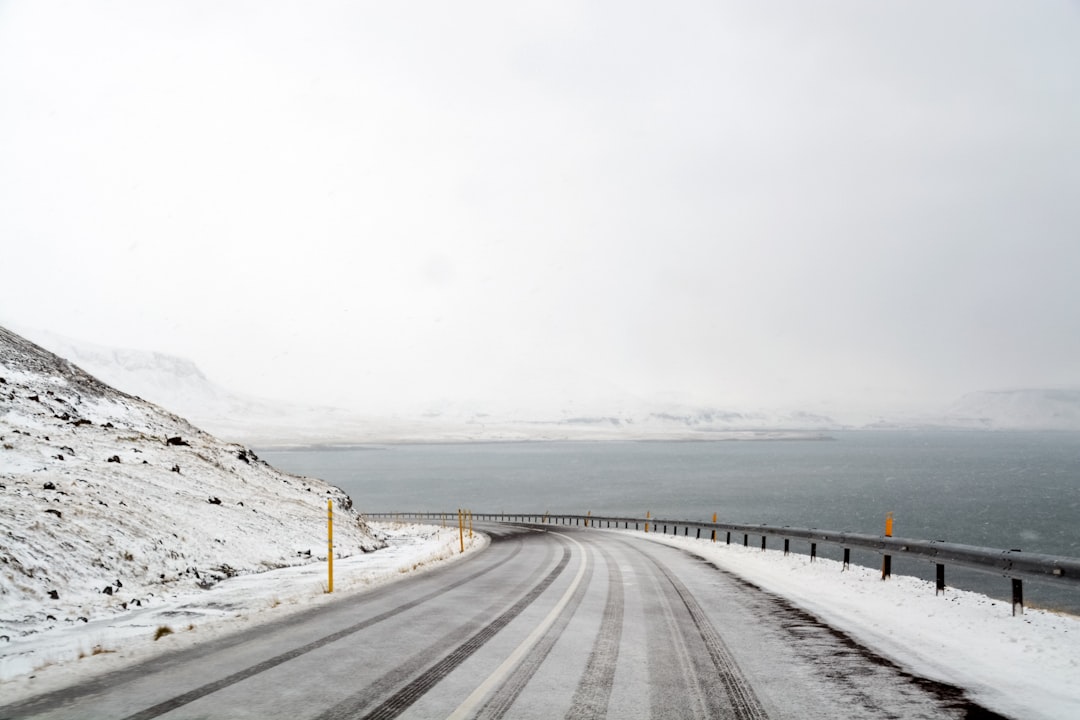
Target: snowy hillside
{"points": [[108, 502], [179, 385], [1033, 409]]}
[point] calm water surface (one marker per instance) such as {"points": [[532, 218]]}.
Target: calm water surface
{"points": [[1003, 490]]}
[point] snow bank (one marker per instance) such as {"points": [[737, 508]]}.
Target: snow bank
{"points": [[64, 656], [1025, 666]]}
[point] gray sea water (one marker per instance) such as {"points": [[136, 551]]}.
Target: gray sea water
{"points": [[994, 489]]}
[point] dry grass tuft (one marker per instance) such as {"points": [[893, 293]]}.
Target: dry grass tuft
{"points": [[162, 631]]}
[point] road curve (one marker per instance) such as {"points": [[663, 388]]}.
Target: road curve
{"points": [[545, 623]]}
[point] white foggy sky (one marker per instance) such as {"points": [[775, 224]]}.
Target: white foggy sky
{"points": [[815, 205]]}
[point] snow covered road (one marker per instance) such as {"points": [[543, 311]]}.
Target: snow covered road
{"points": [[542, 623]]}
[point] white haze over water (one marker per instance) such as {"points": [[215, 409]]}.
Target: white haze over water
{"points": [[837, 207]]}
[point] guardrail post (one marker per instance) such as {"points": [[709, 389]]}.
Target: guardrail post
{"points": [[847, 558], [886, 560], [940, 579], [1018, 596]]}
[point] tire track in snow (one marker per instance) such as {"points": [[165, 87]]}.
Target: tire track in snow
{"points": [[497, 706], [192, 695], [855, 677], [594, 689], [674, 689], [739, 700], [420, 661], [413, 690]]}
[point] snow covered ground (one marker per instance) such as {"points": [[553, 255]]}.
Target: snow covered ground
{"points": [[111, 507], [1025, 666], [67, 654]]}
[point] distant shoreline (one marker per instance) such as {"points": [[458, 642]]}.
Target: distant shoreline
{"points": [[722, 437]]}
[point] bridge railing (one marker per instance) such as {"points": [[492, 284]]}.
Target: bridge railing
{"points": [[1013, 564]]}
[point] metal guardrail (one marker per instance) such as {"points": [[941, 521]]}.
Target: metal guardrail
{"points": [[1013, 564]]}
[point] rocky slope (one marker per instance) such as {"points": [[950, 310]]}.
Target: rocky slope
{"points": [[108, 503]]}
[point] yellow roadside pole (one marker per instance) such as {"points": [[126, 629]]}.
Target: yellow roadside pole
{"points": [[714, 529], [330, 546], [646, 521], [588, 514], [470, 524], [461, 529]]}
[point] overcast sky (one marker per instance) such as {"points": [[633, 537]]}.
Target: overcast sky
{"points": [[814, 205]]}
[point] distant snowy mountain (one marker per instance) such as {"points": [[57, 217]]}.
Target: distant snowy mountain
{"points": [[1031, 409], [108, 502], [178, 384], [172, 382]]}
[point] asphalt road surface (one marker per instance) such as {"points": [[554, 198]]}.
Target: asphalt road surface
{"points": [[545, 623]]}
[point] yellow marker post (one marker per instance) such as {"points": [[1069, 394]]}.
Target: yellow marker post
{"points": [[330, 546], [886, 560], [588, 514], [714, 529], [461, 529], [470, 524], [646, 521]]}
